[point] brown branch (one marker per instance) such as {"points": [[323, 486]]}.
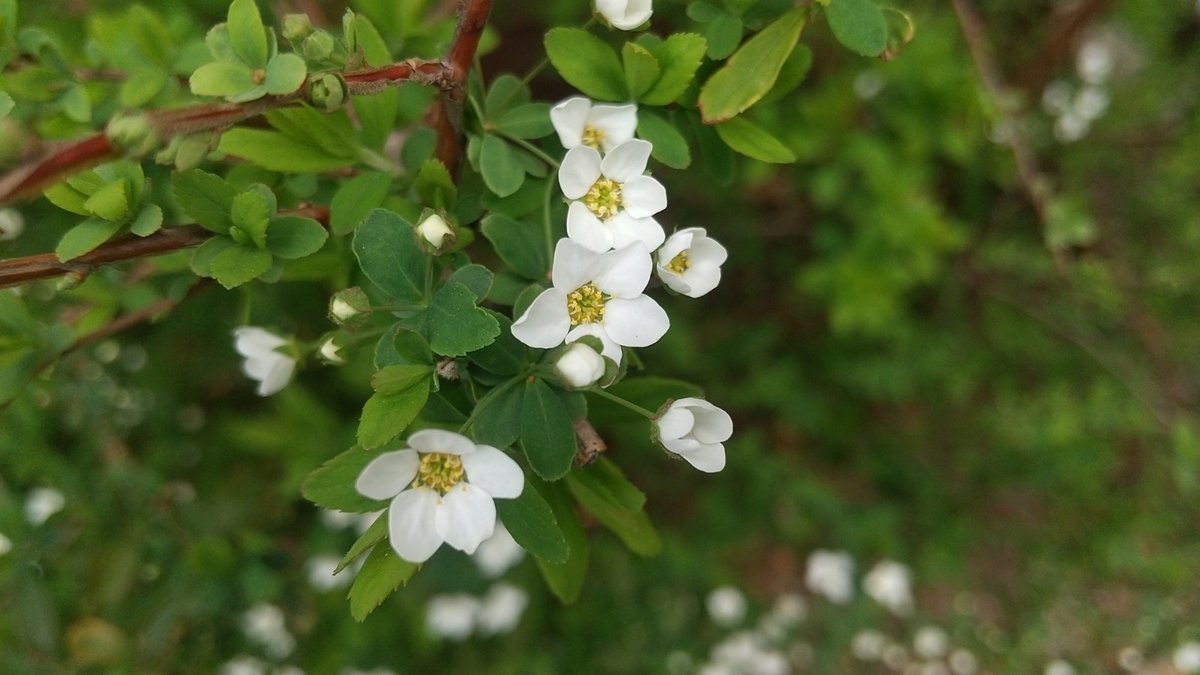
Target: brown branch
{"points": [[448, 114]]}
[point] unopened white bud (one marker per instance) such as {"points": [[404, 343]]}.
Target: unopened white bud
{"points": [[329, 352], [434, 230], [580, 366], [12, 224], [342, 310]]}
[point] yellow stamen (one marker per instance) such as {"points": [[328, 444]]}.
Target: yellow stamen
{"points": [[679, 263], [440, 471], [604, 198], [586, 304], [592, 137]]}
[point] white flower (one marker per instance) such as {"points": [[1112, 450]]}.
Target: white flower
{"points": [[579, 366], [625, 14], [501, 609], [498, 553], [690, 262], [595, 294], [319, 570], [1094, 61], [1059, 667], [42, 503], [931, 642], [963, 662], [243, 665], [6, 544], [743, 652], [1187, 658], [830, 573], [434, 230], [868, 645], [890, 584], [451, 616], [696, 430], [615, 201], [329, 352], [442, 489], [789, 609], [342, 310], [272, 369], [726, 606], [12, 224], [603, 127], [264, 623]]}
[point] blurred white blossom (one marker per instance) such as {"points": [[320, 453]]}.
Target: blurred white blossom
{"points": [[868, 645], [963, 662], [890, 584], [6, 544], [272, 369], [41, 503], [831, 574], [501, 609], [1059, 667], [1186, 658], [319, 570], [451, 617], [243, 665], [264, 623], [12, 224], [498, 553], [726, 606], [931, 642]]}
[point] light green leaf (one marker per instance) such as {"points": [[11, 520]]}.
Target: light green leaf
{"points": [[68, 198], [859, 25], [148, 221], [76, 105], [110, 202], [6, 104], [238, 264], [85, 237], [379, 577], [753, 141], [332, 132], [678, 57], [205, 197], [220, 45], [531, 120], [506, 93], [532, 524], [221, 79], [388, 253], [670, 147], [586, 63], [750, 73], [641, 69], [456, 324], [355, 199], [285, 74], [435, 186], [605, 478], [792, 73], [331, 486], [386, 415], [547, 435], [202, 259], [141, 87], [500, 167], [247, 34], [291, 237], [376, 533], [395, 379], [251, 215], [276, 152]]}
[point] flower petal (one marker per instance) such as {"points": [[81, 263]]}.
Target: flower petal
{"points": [[708, 457], [574, 265], [494, 472], [626, 229], [643, 196], [611, 349], [439, 440], [546, 322], [585, 228], [699, 279], [624, 162], [712, 426], [617, 122], [388, 474], [676, 423], [707, 250], [412, 529], [635, 322], [569, 119], [677, 243], [580, 170], [277, 377], [465, 517], [624, 273], [673, 281], [254, 341]]}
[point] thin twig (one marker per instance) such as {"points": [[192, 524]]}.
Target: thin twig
{"points": [[448, 122]]}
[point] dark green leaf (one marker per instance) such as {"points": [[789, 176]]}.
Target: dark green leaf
{"points": [[507, 92], [750, 73], [586, 63], [501, 169], [505, 356], [389, 255], [670, 147], [291, 237], [386, 415], [723, 35], [456, 324], [564, 579], [477, 279], [547, 435], [205, 197], [202, 259], [531, 120], [238, 264], [276, 152], [859, 25], [634, 529], [792, 73], [499, 423], [532, 524], [331, 132], [331, 486], [754, 142], [603, 477], [641, 69], [435, 186], [358, 197], [395, 379], [520, 245], [379, 577]]}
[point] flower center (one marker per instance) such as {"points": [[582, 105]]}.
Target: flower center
{"points": [[679, 263], [586, 304], [592, 137], [440, 471], [604, 198]]}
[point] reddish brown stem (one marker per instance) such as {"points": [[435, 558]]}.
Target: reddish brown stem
{"points": [[472, 17]]}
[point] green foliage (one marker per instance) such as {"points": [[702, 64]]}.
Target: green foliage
{"points": [[248, 65], [752, 70], [859, 25], [547, 436]]}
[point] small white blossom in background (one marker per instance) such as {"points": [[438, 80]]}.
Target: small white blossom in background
{"points": [[613, 203], [963, 662], [890, 584], [625, 14], [287, 670], [579, 366], [356, 671], [1059, 667], [41, 503], [745, 652], [434, 230], [336, 520], [264, 623], [319, 570], [789, 609], [597, 294], [498, 553], [1130, 658], [603, 127], [272, 369], [726, 606], [894, 656], [451, 617], [696, 430], [501, 609], [1095, 61], [931, 642], [12, 224], [6, 544], [868, 645], [442, 488], [689, 262], [1186, 658], [243, 665], [831, 574]]}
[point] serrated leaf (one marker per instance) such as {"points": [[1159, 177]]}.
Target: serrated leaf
{"points": [[379, 577], [376, 533], [435, 186], [456, 323], [276, 152], [148, 221], [388, 253], [505, 356], [395, 379], [331, 485], [586, 63], [634, 529], [401, 346], [670, 147], [110, 202], [251, 215], [247, 34], [477, 279], [238, 264], [547, 435], [531, 522], [498, 164], [85, 237], [206, 198], [753, 141], [678, 58], [358, 197], [285, 74], [641, 69], [751, 71], [386, 415], [859, 25], [68, 198], [520, 245], [499, 423]]}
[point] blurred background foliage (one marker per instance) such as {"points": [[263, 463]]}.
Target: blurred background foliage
{"points": [[927, 359]]}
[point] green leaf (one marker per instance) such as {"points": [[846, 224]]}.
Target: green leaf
{"points": [[723, 35], [435, 186], [68, 198], [641, 69], [376, 533], [221, 79], [379, 577], [792, 73], [547, 435], [634, 529], [603, 477], [246, 33], [586, 63], [477, 279], [238, 264], [505, 356], [205, 197], [564, 579], [520, 245], [141, 87], [859, 25], [291, 237], [532, 524], [85, 237], [6, 104], [110, 202], [276, 152], [499, 424], [395, 379], [332, 132], [76, 105], [531, 120], [148, 221], [401, 346], [220, 45], [285, 74], [507, 92], [719, 160], [386, 415], [900, 31], [354, 200], [456, 324], [678, 57], [331, 486], [501, 169], [753, 141], [670, 147], [202, 259], [750, 73], [251, 215], [388, 253]]}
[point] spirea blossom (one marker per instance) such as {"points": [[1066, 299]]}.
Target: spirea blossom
{"points": [[690, 262], [890, 584], [498, 553], [579, 366], [602, 127], [726, 606], [272, 369], [442, 489], [12, 224], [42, 503], [831, 574], [451, 616], [696, 430], [501, 609], [434, 230], [625, 14], [598, 294], [613, 202], [1186, 658]]}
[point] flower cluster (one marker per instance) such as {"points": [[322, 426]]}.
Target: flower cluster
{"points": [[456, 616]]}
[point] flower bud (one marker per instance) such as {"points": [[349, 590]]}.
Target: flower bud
{"points": [[350, 307], [579, 366], [329, 352], [318, 46], [296, 26], [327, 92], [695, 430], [436, 232], [12, 224]]}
